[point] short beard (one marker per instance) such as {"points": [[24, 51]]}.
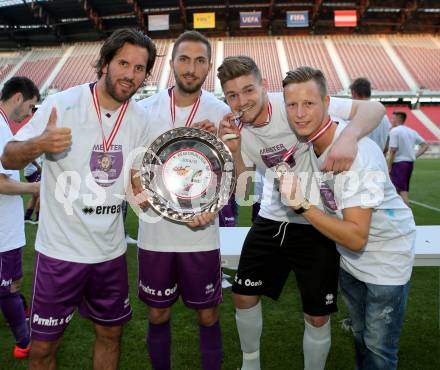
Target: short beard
{"points": [[185, 89], [111, 91]]}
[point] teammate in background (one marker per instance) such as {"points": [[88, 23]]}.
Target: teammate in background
{"points": [[373, 228], [85, 132], [174, 257], [19, 95], [361, 89], [279, 240], [402, 153], [32, 173]]}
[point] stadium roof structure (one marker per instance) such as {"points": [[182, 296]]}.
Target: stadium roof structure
{"points": [[25, 23]]}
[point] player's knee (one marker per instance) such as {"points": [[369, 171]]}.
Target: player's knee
{"points": [[43, 351], [208, 317], [244, 301], [109, 333], [159, 316], [317, 321]]}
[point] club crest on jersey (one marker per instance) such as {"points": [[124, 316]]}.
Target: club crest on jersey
{"points": [[329, 299], [106, 166], [274, 155]]}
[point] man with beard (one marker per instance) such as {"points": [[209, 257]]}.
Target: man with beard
{"points": [[183, 261], [80, 244], [19, 95], [279, 241]]}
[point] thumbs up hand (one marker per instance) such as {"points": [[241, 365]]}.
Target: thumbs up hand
{"points": [[55, 139]]}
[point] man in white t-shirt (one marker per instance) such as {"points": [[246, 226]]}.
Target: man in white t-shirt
{"points": [[280, 241], [86, 134], [373, 228], [402, 153], [18, 96], [361, 89], [173, 257]]}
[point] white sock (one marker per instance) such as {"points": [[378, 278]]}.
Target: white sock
{"points": [[250, 325], [316, 345]]}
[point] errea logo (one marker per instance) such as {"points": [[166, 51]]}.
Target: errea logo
{"points": [[88, 210], [102, 210], [329, 299], [209, 289]]}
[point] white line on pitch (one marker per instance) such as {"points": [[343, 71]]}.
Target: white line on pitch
{"points": [[425, 205]]}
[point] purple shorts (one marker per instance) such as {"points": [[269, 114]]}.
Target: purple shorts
{"points": [[35, 177], [100, 290], [196, 276], [10, 269], [401, 174]]}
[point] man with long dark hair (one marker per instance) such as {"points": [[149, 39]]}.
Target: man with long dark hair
{"points": [[86, 133]]}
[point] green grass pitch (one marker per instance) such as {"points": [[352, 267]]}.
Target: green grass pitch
{"points": [[283, 322]]}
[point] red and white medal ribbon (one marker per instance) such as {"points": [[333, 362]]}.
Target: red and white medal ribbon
{"points": [[269, 117], [107, 142], [5, 117], [192, 114], [310, 139]]}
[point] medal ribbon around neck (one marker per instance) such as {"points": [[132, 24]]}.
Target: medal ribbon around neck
{"points": [[269, 117], [107, 143], [192, 114], [310, 139], [5, 117]]}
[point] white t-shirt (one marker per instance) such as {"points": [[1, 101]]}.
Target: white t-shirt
{"points": [[388, 256], [82, 188], [265, 146], [163, 234], [11, 206], [380, 134], [404, 139]]}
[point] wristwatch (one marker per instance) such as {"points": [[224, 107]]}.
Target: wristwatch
{"points": [[304, 206]]}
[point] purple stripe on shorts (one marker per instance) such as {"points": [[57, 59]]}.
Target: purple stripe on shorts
{"points": [[10, 269], [100, 291], [401, 175], [196, 276]]}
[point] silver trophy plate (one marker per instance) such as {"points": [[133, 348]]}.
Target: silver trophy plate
{"points": [[187, 171]]}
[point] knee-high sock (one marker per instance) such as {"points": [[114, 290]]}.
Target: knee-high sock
{"points": [[211, 346], [13, 310], [316, 345], [250, 325], [159, 345]]}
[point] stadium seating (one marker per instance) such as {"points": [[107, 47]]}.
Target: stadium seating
{"points": [[413, 122], [263, 51], [311, 51], [361, 55], [421, 57], [433, 113], [40, 64], [78, 68], [7, 62], [364, 56], [162, 50]]}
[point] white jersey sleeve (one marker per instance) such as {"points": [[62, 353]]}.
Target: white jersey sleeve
{"points": [[394, 139], [418, 139], [5, 135], [340, 107]]}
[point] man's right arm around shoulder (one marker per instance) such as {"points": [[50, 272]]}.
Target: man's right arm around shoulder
{"points": [[52, 140]]}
